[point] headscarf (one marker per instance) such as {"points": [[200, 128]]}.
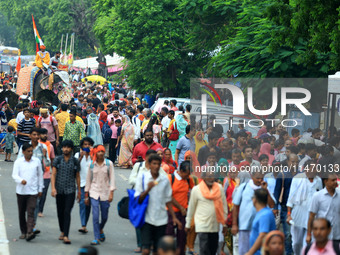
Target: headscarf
{"points": [[199, 143], [262, 130], [269, 236], [194, 162], [42, 47], [223, 162], [265, 149], [102, 119], [94, 151], [93, 129], [219, 141], [169, 166]]}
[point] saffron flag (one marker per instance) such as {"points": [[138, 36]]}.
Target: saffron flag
{"points": [[17, 68], [38, 41]]}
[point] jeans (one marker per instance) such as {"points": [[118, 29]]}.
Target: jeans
{"points": [[104, 209], [286, 230], [42, 200], [65, 204], [138, 236], [84, 210], [113, 151]]}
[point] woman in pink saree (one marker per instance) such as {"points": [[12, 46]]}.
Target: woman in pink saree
{"points": [[126, 146]]}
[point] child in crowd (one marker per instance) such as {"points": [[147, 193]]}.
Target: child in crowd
{"points": [[10, 143], [118, 124]]}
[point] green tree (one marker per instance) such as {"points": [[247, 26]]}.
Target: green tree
{"points": [[53, 18], [149, 34], [7, 32]]}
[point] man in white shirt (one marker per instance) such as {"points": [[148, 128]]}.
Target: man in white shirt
{"points": [[326, 204], [158, 188], [166, 120], [85, 161], [301, 192], [28, 174], [136, 124]]}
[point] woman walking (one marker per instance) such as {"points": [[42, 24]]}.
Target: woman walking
{"points": [[126, 145], [180, 124], [100, 183]]}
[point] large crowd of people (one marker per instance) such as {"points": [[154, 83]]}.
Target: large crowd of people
{"points": [[275, 192]]}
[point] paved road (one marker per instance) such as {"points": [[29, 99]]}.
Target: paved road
{"points": [[120, 235]]}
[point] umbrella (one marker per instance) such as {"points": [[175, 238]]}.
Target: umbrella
{"points": [[95, 78]]}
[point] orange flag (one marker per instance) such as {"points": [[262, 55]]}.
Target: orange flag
{"points": [[17, 68]]}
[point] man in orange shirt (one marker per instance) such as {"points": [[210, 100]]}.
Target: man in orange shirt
{"points": [[181, 184]]}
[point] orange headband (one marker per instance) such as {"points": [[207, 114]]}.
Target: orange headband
{"points": [[95, 150]]}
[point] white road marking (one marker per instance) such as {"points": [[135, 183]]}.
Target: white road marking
{"points": [[4, 250], [123, 177]]}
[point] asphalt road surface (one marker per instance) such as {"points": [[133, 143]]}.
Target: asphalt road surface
{"points": [[120, 235]]}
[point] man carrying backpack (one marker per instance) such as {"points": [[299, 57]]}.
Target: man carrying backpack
{"points": [[50, 123], [322, 245]]}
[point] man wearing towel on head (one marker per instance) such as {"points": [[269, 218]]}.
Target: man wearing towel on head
{"points": [[42, 57]]}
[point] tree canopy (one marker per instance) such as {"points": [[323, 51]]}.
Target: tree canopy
{"points": [[150, 35], [53, 18]]}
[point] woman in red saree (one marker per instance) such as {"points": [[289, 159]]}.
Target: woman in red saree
{"points": [[168, 164]]}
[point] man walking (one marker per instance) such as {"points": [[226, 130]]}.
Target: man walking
{"points": [[51, 124], [140, 149], [326, 204], [40, 151], [158, 188], [85, 161], [181, 184], [209, 205], [263, 223], [47, 169], [28, 174], [62, 118], [321, 230], [74, 131], [24, 128], [64, 177], [303, 187], [185, 144]]}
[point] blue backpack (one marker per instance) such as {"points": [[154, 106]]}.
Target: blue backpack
{"points": [[106, 132]]}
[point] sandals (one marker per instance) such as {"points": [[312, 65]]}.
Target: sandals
{"points": [[61, 238], [192, 253], [95, 242], [138, 250], [83, 230], [30, 237], [66, 240], [102, 237]]}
